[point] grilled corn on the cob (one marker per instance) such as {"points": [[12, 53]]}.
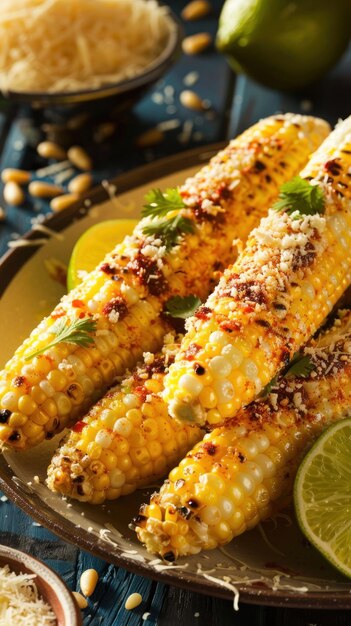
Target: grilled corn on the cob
{"points": [[126, 295], [243, 472], [126, 440], [296, 265]]}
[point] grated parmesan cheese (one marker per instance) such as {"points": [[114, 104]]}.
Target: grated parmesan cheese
{"points": [[20, 602], [59, 46]]}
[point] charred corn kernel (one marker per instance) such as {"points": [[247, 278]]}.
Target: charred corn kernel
{"points": [[51, 150], [252, 324], [11, 175], [80, 158], [141, 286], [13, 194], [88, 581], [81, 601], [39, 189], [242, 472], [132, 450]]}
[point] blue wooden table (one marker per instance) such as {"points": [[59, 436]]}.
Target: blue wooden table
{"points": [[233, 104]]}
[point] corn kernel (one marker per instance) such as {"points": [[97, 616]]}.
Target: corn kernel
{"points": [[27, 405], [17, 420], [101, 482], [57, 379]]}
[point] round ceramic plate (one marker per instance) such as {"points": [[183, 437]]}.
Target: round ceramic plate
{"points": [[270, 565]]}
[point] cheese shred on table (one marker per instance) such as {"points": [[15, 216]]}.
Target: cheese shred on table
{"points": [[20, 603], [64, 46]]}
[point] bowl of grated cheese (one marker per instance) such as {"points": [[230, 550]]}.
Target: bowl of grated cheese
{"points": [[54, 52], [32, 594]]}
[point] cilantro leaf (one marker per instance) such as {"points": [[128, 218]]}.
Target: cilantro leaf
{"points": [[268, 388], [168, 230], [77, 331], [182, 307], [160, 203], [299, 195], [300, 365]]}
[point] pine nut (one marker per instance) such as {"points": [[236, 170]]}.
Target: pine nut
{"points": [[88, 581], [150, 138], [196, 9], [81, 601], [133, 601], [51, 150], [196, 43], [11, 175], [39, 189], [191, 100], [80, 184], [13, 194], [79, 158], [62, 202]]}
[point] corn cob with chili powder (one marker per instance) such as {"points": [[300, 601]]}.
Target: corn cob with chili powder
{"points": [[295, 267], [127, 440], [243, 472], [125, 296]]}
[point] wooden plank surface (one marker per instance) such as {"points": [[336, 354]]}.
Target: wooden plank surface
{"points": [[233, 105]]}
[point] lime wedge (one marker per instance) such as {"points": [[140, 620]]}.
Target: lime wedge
{"points": [[322, 495], [92, 246]]}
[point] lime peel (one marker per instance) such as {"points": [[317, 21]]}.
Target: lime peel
{"points": [[322, 495]]}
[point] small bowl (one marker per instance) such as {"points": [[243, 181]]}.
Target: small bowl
{"points": [[50, 586], [121, 94]]}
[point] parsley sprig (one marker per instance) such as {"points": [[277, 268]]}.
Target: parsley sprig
{"points": [[158, 205], [77, 331], [299, 195], [300, 365], [182, 307]]}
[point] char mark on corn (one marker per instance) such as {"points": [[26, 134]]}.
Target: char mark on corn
{"points": [[243, 472], [295, 267], [126, 295]]}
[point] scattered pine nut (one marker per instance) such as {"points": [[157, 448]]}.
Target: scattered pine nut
{"points": [[150, 138], [2, 214], [51, 150], [62, 202], [40, 189], [133, 601], [13, 194], [80, 158], [81, 601], [191, 100], [88, 581], [196, 43], [196, 9], [80, 184], [12, 175]]}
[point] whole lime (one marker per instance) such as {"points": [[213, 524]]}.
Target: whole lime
{"points": [[284, 44]]}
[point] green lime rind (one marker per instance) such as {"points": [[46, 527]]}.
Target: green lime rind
{"points": [[322, 495], [281, 44]]}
